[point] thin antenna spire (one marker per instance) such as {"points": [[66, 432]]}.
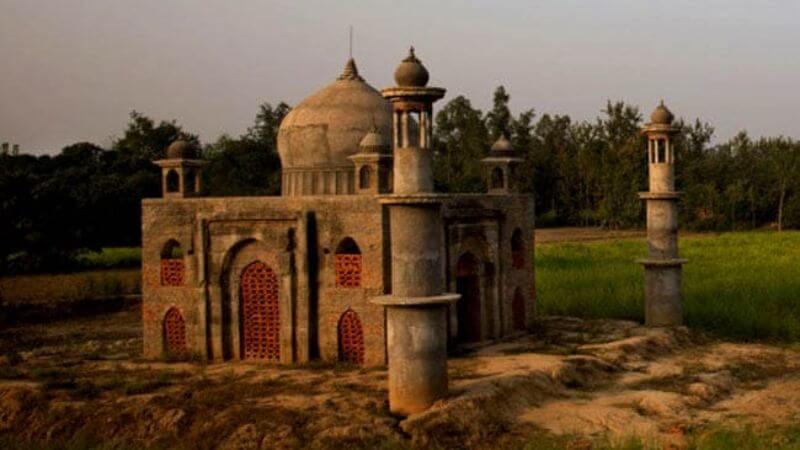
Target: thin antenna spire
{"points": [[351, 41]]}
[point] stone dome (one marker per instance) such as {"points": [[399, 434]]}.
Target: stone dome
{"points": [[502, 145], [375, 142], [661, 115], [182, 149], [326, 128], [411, 72]]}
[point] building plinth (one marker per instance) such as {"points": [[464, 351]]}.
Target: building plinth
{"points": [[662, 267]]}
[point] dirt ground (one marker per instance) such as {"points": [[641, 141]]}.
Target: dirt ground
{"points": [[82, 380]]}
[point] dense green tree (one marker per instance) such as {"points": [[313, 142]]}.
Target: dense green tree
{"points": [[460, 141], [498, 120], [622, 165], [265, 129], [248, 165]]}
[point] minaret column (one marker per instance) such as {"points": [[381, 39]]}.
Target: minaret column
{"points": [[662, 267], [416, 310]]}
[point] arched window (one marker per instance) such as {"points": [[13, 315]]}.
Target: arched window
{"points": [[517, 250], [518, 310], [351, 338], [173, 181], [174, 333], [172, 267], [497, 178], [348, 264], [365, 177]]}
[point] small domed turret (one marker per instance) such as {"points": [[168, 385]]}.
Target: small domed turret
{"points": [[182, 149], [661, 115], [375, 142], [181, 169], [500, 167], [411, 72]]}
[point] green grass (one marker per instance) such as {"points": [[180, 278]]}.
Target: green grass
{"points": [[111, 258], [747, 438], [739, 285], [49, 288]]}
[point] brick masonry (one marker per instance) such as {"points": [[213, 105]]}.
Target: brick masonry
{"points": [[297, 238]]}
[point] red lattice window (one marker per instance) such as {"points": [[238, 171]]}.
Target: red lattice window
{"points": [[517, 250], [172, 272], [351, 338], [348, 271], [260, 313], [172, 268], [518, 310], [175, 333]]}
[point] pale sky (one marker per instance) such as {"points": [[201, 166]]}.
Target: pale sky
{"points": [[72, 70]]}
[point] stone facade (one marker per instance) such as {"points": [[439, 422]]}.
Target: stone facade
{"points": [[289, 279]]}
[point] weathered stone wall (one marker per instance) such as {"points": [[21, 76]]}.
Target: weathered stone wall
{"points": [[483, 226], [231, 233], [298, 238], [359, 218], [157, 230]]}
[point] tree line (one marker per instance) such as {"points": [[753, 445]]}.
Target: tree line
{"points": [[582, 173], [587, 173], [54, 208]]}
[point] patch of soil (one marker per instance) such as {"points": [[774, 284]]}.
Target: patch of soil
{"points": [[83, 380]]}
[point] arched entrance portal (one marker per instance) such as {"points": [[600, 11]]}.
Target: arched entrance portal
{"points": [[469, 307], [260, 314], [351, 338]]}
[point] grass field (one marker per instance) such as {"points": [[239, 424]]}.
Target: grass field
{"points": [[109, 273], [112, 258], [47, 288], [738, 285]]}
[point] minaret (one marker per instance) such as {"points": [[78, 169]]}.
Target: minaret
{"points": [[181, 170], [500, 167], [662, 267], [373, 164], [417, 307]]}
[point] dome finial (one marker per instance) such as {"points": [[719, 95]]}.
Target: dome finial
{"points": [[411, 72], [412, 56], [661, 115], [350, 71]]}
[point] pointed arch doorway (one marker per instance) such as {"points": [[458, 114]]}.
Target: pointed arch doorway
{"points": [[469, 307]]}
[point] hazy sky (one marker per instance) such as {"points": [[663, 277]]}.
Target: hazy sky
{"points": [[72, 70]]}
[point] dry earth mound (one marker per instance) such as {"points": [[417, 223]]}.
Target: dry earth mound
{"points": [[83, 381]]}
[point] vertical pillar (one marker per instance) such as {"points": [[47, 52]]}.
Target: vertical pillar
{"points": [[395, 129], [416, 308], [404, 129], [663, 266]]}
